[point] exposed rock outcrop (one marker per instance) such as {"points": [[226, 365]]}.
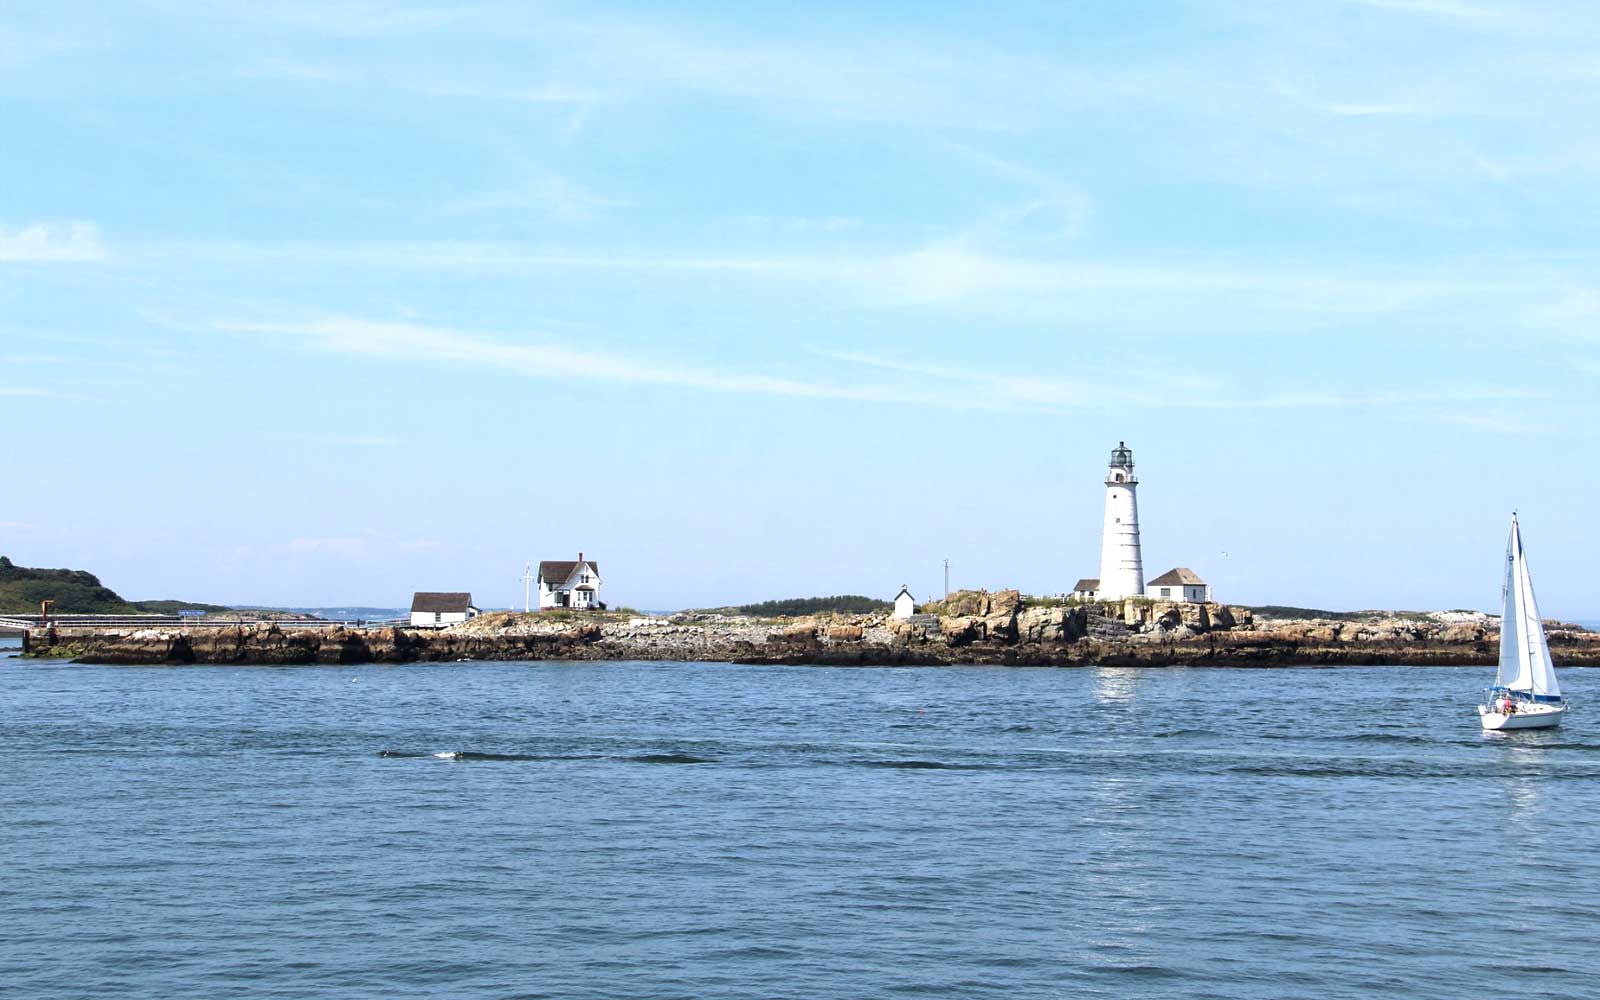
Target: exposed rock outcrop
{"points": [[989, 628]]}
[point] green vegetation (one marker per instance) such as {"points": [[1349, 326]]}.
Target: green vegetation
{"points": [[173, 607], [795, 606], [1284, 611], [75, 592], [1030, 601]]}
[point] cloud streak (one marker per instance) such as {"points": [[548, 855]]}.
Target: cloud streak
{"points": [[1152, 387], [51, 242], [409, 341], [936, 274]]}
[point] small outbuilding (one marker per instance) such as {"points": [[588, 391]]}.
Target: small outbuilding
{"points": [[1180, 584], [430, 609], [904, 604], [1086, 590]]}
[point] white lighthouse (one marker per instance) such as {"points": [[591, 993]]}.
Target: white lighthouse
{"points": [[1121, 568]]}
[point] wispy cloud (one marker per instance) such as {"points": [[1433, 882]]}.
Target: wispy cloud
{"points": [[547, 192], [1152, 387], [51, 242], [360, 440], [408, 341], [942, 273], [1456, 10]]}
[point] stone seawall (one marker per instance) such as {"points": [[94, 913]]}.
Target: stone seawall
{"points": [[976, 628]]}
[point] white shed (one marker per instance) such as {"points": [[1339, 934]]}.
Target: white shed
{"points": [[431, 609], [904, 604], [1180, 584]]}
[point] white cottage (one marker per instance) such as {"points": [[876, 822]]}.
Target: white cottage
{"points": [[904, 604], [574, 584], [1086, 590], [431, 609], [1180, 584]]}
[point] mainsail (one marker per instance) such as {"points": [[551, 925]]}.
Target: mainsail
{"points": [[1524, 656]]}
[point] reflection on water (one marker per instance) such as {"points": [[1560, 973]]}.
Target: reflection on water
{"points": [[1115, 685], [1523, 786]]}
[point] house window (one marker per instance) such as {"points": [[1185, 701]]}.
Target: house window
{"points": [[438, 616], [1166, 591]]}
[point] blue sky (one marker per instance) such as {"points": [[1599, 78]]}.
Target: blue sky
{"points": [[318, 303]]}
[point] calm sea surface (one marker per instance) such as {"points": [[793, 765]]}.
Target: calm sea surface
{"points": [[668, 830]]}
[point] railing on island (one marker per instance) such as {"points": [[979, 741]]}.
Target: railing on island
{"points": [[22, 623]]}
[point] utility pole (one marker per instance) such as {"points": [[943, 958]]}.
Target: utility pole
{"points": [[947, 579], [527, 581]]}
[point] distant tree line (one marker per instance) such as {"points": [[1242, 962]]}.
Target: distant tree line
{"points": [[74, 591], [796, 606]]}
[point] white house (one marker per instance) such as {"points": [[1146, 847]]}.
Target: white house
{"points": [[1086, 590], [574, 584], [1179, 584], [436, 610], [904, 604]]}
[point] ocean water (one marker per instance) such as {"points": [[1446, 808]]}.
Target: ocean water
{"points": [[675, 830]]}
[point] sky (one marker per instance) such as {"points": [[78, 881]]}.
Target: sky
{"points": [[311, 303]]}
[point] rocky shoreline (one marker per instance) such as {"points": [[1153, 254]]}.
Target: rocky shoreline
{"points": [[973, 628]]}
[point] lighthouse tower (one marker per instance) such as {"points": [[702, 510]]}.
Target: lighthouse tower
{"points": [[1121, 569]]}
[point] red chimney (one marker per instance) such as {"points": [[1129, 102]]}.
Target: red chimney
{"points": [[580, 557]]}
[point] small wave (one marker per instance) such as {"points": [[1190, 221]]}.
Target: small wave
{"points": [[1143, 971], [1017, 729], [669, 758], [1386, 738], [916, 765], [402, 753], [480, 755]]}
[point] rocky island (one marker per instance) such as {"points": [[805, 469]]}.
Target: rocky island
{"points": [[971, 627]]}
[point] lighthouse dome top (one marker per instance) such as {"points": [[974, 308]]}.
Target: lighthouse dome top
{"points": [[1121, 456]]}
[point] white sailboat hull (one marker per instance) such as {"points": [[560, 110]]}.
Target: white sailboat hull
{"points": [[1525, 717], [1526, 694]]}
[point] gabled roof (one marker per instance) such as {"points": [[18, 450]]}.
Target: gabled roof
{"points": [[906, 591], [445, 603], [1182, 576], [561, 570], [1083, 585]]}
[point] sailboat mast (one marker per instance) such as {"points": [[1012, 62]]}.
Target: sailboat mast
{"points": [[1519, 571]]}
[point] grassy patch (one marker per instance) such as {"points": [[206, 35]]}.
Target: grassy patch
{"points": [[796, 607]]}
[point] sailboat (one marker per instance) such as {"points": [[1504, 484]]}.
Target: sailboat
{"points": [[1525, 693]]}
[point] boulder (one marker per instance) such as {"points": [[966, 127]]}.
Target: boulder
{"points": [[962, 630], [1042, 625], [967, 603], [1000, 623], [844, 633]]}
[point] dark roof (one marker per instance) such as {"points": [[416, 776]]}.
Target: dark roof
{"points": [[1177, 578], [1083, 585], [428, 601], [906, 591], [559, 570]]}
